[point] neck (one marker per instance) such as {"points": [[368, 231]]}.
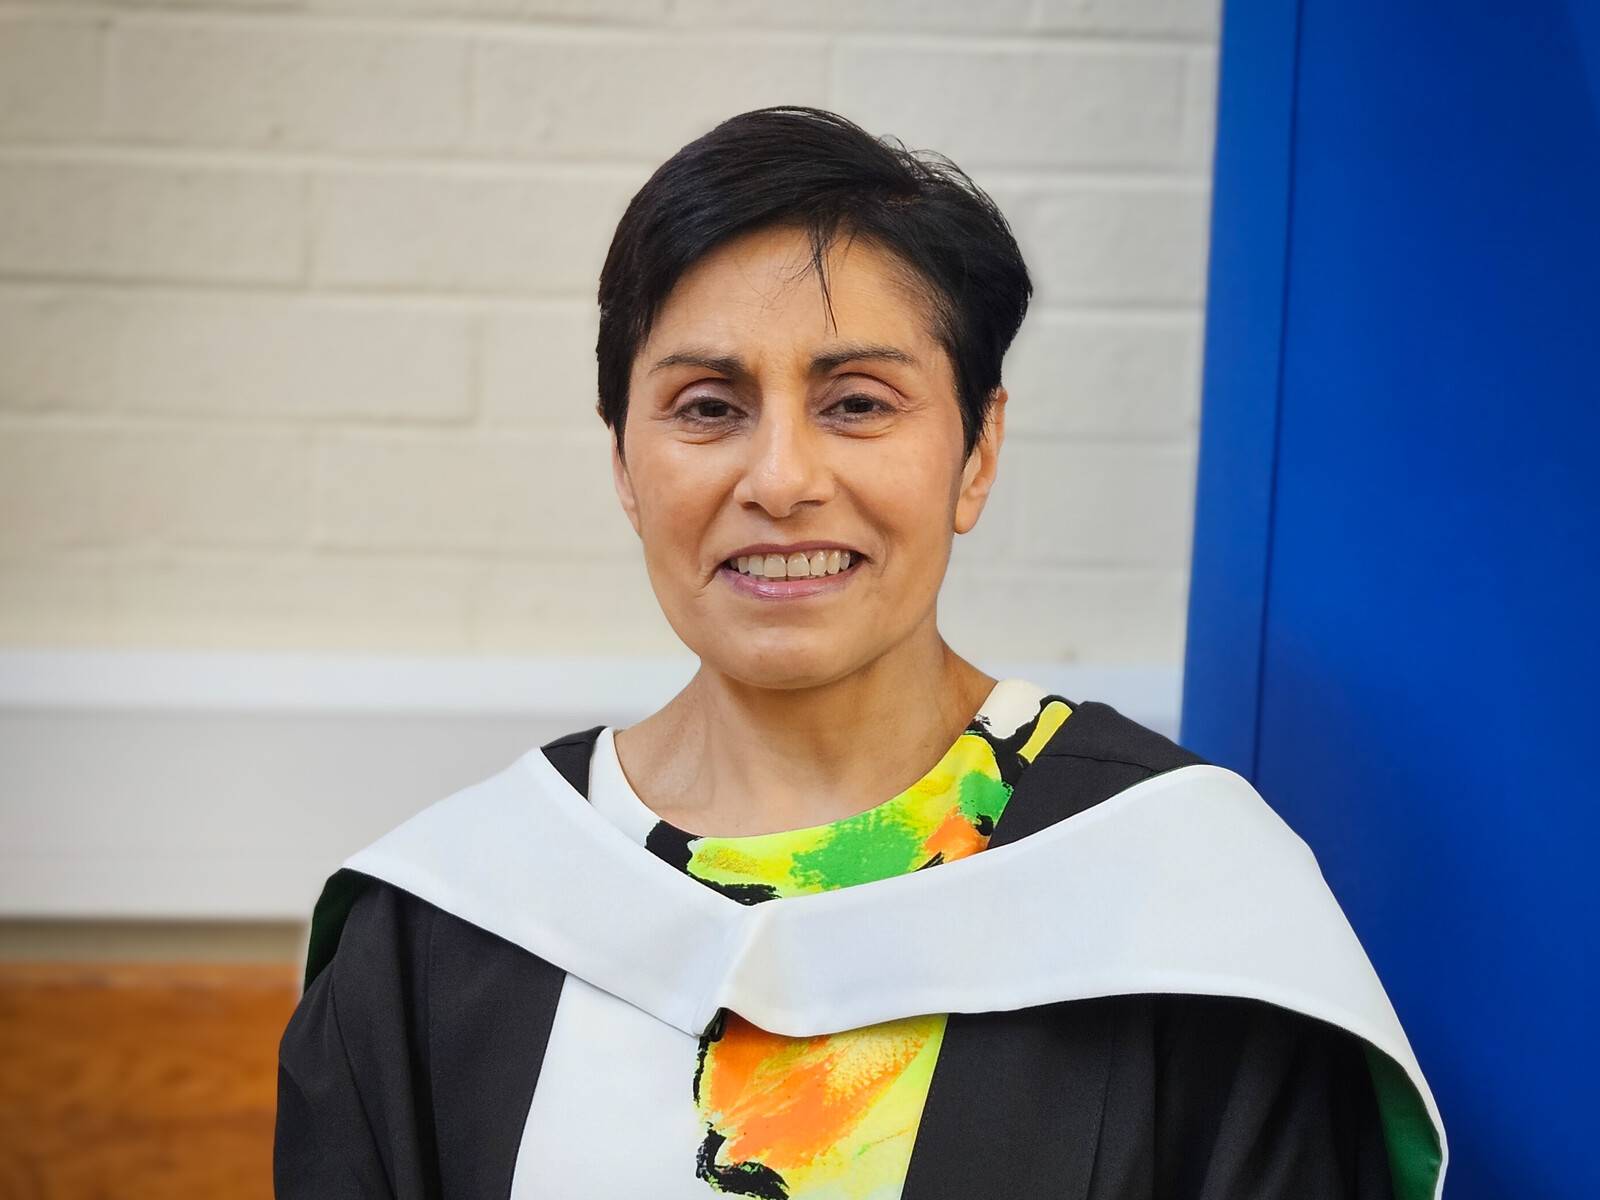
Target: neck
{"points": [[728, 758]]}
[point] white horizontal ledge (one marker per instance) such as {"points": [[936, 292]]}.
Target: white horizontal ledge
{"points": [[302, 682], [196, 785]]}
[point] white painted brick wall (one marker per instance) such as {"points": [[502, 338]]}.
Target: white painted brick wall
{"points": [[264, 83], [297, 319]]}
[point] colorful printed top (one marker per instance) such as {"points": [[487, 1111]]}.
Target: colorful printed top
{"points": [[831, 1116]]}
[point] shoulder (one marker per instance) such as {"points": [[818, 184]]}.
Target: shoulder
{"points": [[359, 918], [376, 935], [1098, 732], [1096, 753]]}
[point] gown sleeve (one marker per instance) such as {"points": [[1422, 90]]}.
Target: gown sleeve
{"points": [[353, 1115], [1256, 1102]]}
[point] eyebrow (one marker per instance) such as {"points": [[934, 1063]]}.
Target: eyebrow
{"points": [[732, 364]]}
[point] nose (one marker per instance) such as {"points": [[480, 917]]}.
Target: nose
{"points": [[787, 462]]}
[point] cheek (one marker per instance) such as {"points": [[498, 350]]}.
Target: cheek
{"points": [[677, 502], [913, 497]]}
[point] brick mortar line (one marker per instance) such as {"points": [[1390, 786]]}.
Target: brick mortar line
{"points": [[531, 28], [499, 165], [465, 301]]}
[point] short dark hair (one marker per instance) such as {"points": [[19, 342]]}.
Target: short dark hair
{"points": [[807, 167]]}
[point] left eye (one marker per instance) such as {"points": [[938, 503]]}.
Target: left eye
{"points": [[878, 405]]}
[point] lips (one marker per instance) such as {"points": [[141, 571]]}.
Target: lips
{"points": [[788, 587]]}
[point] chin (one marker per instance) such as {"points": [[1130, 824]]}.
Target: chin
{"points": [[799, 664]]}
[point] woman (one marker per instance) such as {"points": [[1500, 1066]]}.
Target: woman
{"points": [[847, 917]]}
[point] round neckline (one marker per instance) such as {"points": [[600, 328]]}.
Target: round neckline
{"points": [[1010, 702]]}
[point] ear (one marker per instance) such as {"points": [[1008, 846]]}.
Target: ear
{"points": [[624, 486], [978, 476]]}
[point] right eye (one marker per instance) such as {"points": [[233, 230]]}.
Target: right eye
{"points": [[686, 410]]}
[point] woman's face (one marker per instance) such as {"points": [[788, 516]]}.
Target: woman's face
{"points": [[753, 420]]}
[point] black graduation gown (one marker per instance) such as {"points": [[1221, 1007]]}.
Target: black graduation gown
{"points": [[409, 1066]]}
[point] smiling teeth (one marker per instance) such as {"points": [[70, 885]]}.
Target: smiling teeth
{"points": [[799, 565]]}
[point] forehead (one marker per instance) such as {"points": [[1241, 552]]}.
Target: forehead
{"points": [[761, 288]]}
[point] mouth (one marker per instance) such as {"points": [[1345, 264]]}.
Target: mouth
{"points": [[788, 588]]}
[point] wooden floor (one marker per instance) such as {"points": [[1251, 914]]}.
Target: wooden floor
{"points": [[139, 1081]]}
